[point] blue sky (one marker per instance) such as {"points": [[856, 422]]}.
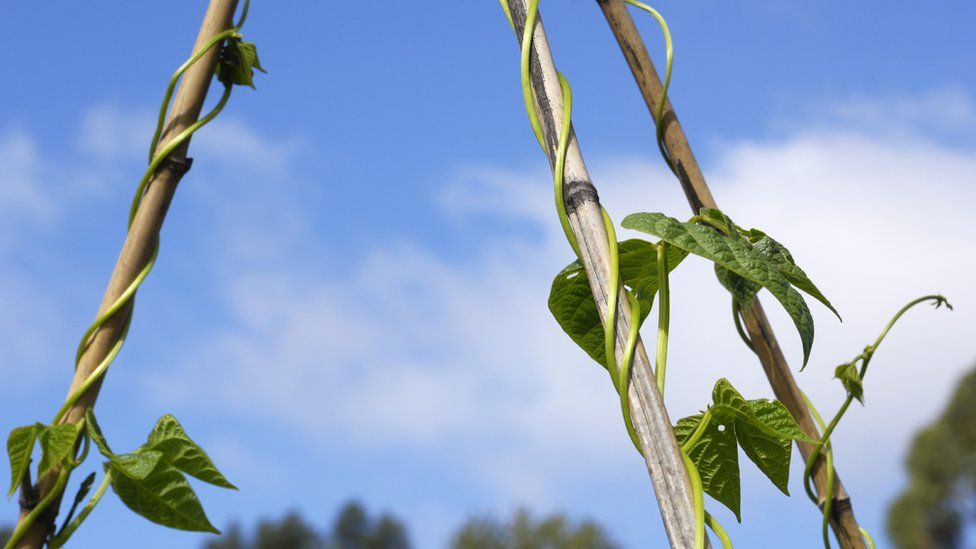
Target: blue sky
{"points": [[350, 296]]}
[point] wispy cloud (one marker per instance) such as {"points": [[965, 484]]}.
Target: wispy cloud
{"points": [[401, 347], [460, 361]]}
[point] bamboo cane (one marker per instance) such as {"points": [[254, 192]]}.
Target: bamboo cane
{"points": [[137, 248], [659, 447], [696, 190]]}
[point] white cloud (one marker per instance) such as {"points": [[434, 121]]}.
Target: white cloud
{"points": [[111, 132], [459, 360], [947, 109], [23, 194]]}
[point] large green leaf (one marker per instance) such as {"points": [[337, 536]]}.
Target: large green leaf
{"points": [[164, 497], [571, 299], [735, 254], [169, 438], [57, 443], [717, 459], [20, 446]]}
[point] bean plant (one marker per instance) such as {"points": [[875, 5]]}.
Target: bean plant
{"points": [[150, 480], [745, 262]]}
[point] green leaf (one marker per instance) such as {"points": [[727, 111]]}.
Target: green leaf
{"points": [[764, 429], [164, 497], [137, 465], [716, 458], [720, 221], [851, 379], [736, 255], [742, 290], [770, 417], [20, 446], [238, 60], [638, 266], [95, 433], [57, 443], [571, 299], [178, 449], [778, 254], [729, 405], [774, 415], [769, 452]]}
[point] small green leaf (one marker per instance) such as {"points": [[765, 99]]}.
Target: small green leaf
{"points": [[137, 465], [571, 299], [238, 60], [20, 446], [163, 497], [178, 449], [95, 433], [734, 254], [851, 379], [57, 444], [717, 459]]}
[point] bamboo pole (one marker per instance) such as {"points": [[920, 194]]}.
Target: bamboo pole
{"points": [[138, 246], [692, 180], [661, 452]]}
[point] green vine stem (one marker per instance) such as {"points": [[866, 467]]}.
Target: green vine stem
{"points": [[620, 374], [156, 159], [69, 529], [24, 525], [664, 314], [824, 446], [126, 299], [669, 48], [698, 499], [720, 532]]}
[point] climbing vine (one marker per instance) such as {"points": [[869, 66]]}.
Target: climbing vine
{"points": [[150, 480], [745, 261]]}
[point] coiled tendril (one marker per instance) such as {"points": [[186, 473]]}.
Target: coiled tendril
{"points": [[157, 156], [619, 374]]}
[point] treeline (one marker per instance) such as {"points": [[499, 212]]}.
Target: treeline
{"points": [[353, 528]]}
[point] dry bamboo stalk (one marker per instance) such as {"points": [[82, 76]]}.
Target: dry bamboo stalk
{"points": [[692, 180], [140, 240], [661, 451]]}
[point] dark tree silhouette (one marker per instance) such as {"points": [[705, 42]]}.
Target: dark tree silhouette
{"points": [[352, 529], [292, 531], [937, 506], [523, 532]]}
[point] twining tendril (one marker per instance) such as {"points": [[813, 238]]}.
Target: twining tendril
{"points": [[619, 374], [126, 300], [823, 446]]}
